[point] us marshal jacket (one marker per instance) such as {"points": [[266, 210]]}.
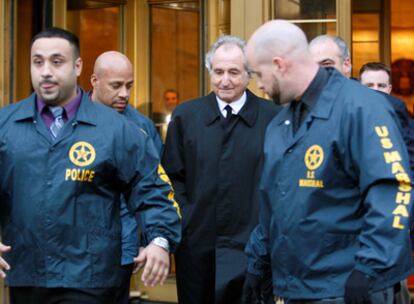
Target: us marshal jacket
{"points": [[336, 196], [60, 199]]}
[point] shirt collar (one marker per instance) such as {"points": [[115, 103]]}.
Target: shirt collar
{"points": [[235, 105], [70, 108], [314, 90]]}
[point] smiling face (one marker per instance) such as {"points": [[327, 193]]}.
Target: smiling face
{"points": [[228, 75], [54, 70]]}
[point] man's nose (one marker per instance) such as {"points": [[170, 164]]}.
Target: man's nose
{"points": [[124, 92], [46, 70], [225, 79]]}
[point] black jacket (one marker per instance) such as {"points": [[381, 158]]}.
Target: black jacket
{"points": [[215, 169]]}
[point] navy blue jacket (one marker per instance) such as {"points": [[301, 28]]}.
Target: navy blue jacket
{"points": [[130, 241], [60, 199], [335, 197]]}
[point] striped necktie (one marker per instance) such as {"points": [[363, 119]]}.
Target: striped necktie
{"points": [[58, 122]]}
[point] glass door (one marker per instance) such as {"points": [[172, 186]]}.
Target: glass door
{"points": [[98, 25], [175, 57]]}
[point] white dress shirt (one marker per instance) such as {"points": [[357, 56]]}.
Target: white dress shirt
{"points": [[235, 105]]}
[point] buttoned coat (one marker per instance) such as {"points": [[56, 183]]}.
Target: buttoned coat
{"points": [[215, 168]]}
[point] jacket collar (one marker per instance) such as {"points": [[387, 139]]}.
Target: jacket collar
{"points": [[324, 104], [86, 112], [248, 112]]}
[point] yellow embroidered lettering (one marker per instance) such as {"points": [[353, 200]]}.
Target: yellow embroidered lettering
{"points": [[67, 174], [86, 177], [81, 175], [397, 168], [396, 223], [401, 210], [311, 183], [73, 174], [91, 175], [392, 156], [382, 131], [310, 174], [402, 178], [405, 187], [386, 143], [403, 198]]}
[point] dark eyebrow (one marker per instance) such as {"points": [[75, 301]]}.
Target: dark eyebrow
{"points": [[327, 60], [53, 55]]}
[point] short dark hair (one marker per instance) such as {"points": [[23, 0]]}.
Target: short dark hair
{"points": [[56, 32], [375, 66], [172, 91]]}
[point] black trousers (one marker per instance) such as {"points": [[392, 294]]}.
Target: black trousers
{"points": [[122, 296], [195, 273], [40, 295]]}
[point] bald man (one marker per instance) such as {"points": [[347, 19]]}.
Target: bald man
{"points": [[112, 81], [335, 189]]}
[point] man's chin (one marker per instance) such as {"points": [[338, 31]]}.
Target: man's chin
{"points": [[276, 99], [120, 107], [49, 98], [227, 97]]}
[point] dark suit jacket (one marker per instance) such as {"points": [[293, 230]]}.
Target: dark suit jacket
{"points": [[407, 125]]}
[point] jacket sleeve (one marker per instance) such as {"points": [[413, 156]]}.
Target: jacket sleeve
{"points": [[173, 160], [410, 142], [376, 155], [407, 125], [152, 131], [258, 246], [258, 256], [129, 234], [145, 185]]}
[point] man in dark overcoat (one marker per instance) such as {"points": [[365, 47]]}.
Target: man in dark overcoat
{"points": [[213, 156]]}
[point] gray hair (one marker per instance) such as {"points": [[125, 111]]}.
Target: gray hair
{"points": [[226, 40], [342, 46]]}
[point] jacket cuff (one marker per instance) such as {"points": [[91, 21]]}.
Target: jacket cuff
{"points": [[366, 270], [173, 243], [255, 269]]}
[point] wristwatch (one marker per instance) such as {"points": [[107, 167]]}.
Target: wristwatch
{"points": [[161, 242]]}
